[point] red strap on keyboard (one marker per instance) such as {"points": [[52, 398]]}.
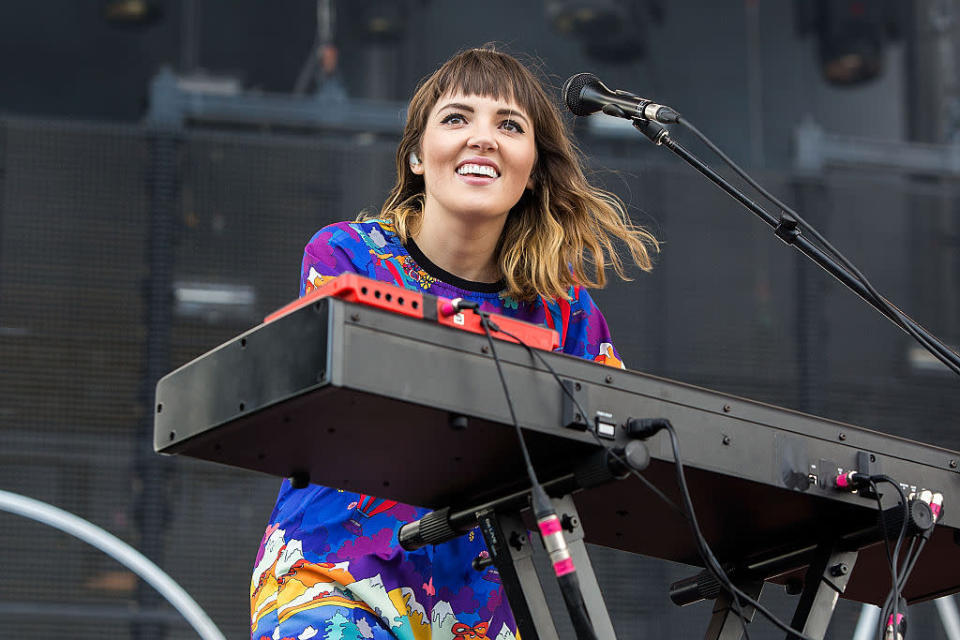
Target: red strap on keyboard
{"points": [[354, 288]]}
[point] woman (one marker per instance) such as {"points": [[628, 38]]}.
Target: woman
{"points": [[490, 205]]}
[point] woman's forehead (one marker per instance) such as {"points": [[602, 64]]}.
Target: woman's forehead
{"points": [[459, 97]]}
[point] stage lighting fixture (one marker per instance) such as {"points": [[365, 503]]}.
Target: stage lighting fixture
{"points": [[851, 35], [609, 30], [130, 11], [383, 20], [586, 18]]}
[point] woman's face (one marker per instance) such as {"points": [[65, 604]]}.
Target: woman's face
{"points": [[477, 155]]}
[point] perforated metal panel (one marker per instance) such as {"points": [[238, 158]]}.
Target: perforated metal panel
{"points": [[79, 209]]}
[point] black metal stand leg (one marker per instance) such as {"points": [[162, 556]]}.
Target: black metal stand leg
{"points": [[826, 579], [725, 624], [512, 555], [592, 597]]}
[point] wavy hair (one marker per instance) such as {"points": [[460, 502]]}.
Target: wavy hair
{"points": [[564, 231]]}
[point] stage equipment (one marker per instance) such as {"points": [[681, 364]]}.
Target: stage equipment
{"points": [[612, 31], [118, 550], [789, 227], [382, 20], [582, 96], [177, 100], [851, 35], [333, 375], [380, 295], [140, 12]]}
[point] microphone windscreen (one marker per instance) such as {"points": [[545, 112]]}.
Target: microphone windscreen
{"points": [[572, 89]]}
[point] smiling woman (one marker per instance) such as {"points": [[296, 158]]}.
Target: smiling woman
{"points": [[490, 205], [477, 155], [560, 232]]}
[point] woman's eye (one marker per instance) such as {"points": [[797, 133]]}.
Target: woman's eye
{"points": [[453, 118], [512, 126]]}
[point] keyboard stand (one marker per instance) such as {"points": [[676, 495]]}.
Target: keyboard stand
{"points": [[725, 624], [829, 565], [511, 552]]}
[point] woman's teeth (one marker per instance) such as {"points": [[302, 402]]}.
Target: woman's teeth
{"points": [[477, 170]]}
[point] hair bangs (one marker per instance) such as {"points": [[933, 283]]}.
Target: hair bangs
{"points": [[481, 72]]}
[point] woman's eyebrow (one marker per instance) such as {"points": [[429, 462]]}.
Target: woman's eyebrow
{"points": [[512, 112], [500, 112], [457, 105]]}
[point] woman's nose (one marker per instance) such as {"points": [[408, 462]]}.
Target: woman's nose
{"points": [[482, 139]]}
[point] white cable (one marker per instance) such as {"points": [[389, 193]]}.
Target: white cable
{"points": [[117, 549], [867, 624], [947, 609]]}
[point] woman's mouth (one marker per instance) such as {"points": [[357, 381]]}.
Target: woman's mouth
{"points": [[477, 170]]}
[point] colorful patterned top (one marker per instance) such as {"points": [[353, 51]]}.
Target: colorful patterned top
{"points": [[329, 566]]}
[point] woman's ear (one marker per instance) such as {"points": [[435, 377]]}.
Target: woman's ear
{"points": [[534, 173], [532, 180], [416, 166]]}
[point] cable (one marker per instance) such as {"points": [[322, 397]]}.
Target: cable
{"points": [[899, 577], [902, 320], [719, 573], [549, 524], [900, 539], [893, 599], [905, 574], [688, 514], [713, 565], [535, 353], [901, 562], [704, 548], [769, 196], [890, 611], [910, 562]]}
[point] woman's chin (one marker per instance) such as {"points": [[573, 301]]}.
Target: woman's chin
{"points": [[480, 208], [480, 214]]}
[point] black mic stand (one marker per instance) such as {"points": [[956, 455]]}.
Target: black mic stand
{"points": [[510, 550], [786, 228]]}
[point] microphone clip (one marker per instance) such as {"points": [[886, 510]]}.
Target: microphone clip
{"points": [[654, 131]]}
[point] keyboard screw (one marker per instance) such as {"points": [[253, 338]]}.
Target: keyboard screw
{"points": [[569, 522], [482, 561]]}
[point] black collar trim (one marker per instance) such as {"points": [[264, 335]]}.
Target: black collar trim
{"points": [[449, 278]]}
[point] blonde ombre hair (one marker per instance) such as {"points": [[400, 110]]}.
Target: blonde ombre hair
{"points": [[561, 233]]}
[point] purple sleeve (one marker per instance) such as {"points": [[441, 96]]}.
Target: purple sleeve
{"points": [[329, 253], [587, 334]]}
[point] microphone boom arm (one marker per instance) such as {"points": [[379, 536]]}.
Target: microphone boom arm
{"points": [[786, 229]]}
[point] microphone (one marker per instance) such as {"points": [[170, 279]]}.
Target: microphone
{"points": [[585, 94]]}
